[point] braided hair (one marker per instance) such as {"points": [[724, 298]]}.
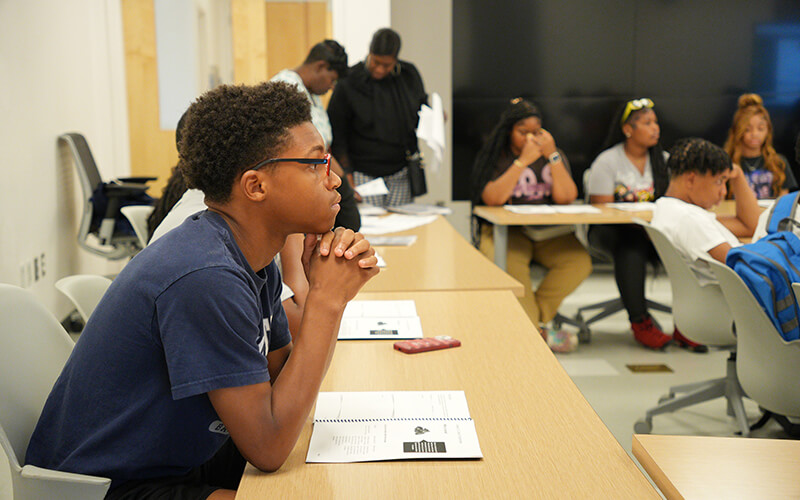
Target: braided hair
{"points": [[656, 153], [497, 144], [694, 154], [749, 106]]}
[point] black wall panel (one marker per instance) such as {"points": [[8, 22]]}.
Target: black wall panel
{"points": [[578, 60]]}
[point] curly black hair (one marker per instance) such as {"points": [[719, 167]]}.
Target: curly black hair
{"points": [[497, 143], [694, 154], [232, 127]]}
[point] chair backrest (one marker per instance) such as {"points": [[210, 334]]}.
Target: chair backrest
{"points": [[84, 161], [84, 290], [137, 215], [768, 367], [700, 311], [34, 350]]}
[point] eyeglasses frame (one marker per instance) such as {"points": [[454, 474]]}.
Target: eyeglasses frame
{"points": [[325, 160]]}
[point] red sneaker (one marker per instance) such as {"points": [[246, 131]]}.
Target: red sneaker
{"points": [[649, 335], [685, 343]]}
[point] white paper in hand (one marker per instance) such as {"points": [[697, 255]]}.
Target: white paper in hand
{"points": [[375, 187]]}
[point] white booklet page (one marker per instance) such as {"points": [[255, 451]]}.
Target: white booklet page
{"points": [[380, 319], [396, 425]]}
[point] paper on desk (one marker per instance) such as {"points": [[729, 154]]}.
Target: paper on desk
{"points": [[380, 319], [392, 241], [394, 223], [633, 206], [419, 209], [366, 209], [375, 187], [431, 130], [381, 262], [576, 209], [765, 203], [396, 425], [530, 209]]}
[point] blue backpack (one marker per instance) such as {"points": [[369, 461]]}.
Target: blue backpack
{"points": [[769, 266], [783, 214]]}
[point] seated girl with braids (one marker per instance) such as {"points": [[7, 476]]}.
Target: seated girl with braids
{"points": [[699, 173], [520, 164]]}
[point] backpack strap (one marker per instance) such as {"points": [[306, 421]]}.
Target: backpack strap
{"points": [[782, 212]]}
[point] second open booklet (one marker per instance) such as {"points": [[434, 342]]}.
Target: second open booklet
{"points": [[380, 319]]}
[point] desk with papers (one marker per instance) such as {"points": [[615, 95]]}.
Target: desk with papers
{"points": [[439, 259], [538, 435]]}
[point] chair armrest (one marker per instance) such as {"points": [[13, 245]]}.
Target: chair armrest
{"points": [[38, 473], [116, 189], [136, 180], [45, 483]]}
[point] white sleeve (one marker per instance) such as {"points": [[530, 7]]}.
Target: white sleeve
{"points": [[698, 235], [286, 292]]}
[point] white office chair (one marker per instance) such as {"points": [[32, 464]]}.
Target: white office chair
{"points": [[768, 366], [85, 291], [137, 215], [701, 313], [604, 308], [34, 350]]}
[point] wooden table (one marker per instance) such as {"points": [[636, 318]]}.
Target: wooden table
{"points": [[539, 436], [502, 218], [440, 259], [720, 467]]}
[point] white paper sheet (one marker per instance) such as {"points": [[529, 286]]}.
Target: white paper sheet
{"points": [[576, 209], [394, 223], [392, 241], [366, 210], [375, 187], [634, 206], [431, 130], [399, 425], [380, 320], [419, 209], [530, 209]]}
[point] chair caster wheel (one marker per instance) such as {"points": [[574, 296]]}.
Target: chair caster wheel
{"points": [[584, 336], [643, 426]]}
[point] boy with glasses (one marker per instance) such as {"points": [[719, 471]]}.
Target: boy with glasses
{"points": [[186, 368]]}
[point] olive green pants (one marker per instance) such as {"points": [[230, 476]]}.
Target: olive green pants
{"points": [[565, 259]]}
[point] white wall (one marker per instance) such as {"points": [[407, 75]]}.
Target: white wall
{"points": [[425, 27], [62, 70], [354, 22]]}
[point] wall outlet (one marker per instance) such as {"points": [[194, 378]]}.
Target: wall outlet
{"points": [[32, 270]]}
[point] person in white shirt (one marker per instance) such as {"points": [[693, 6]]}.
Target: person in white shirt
{"points": [[699, 172]]}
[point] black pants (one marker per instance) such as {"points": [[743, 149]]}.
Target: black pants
{"points": [[223, 471], [631, 250]]}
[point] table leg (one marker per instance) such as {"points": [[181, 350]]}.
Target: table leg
{"points": [[500, 245]]}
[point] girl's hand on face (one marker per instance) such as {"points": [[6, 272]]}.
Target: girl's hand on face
{"points": [[545, 141], [530, 151]]}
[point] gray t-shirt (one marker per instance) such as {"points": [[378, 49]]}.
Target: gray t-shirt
{"points": [[612, 173]]}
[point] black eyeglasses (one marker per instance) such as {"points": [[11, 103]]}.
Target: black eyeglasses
{"points": [[325, 160]]}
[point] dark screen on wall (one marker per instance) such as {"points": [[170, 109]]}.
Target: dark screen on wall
{"points": [[578, 60]]}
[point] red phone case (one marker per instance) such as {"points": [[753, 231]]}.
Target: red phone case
{"points": [[426, 344]]}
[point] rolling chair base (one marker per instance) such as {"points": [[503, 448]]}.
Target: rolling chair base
{"points": [[606, 308]]}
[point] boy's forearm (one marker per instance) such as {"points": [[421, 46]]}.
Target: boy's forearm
{"points": [[747, 210]]}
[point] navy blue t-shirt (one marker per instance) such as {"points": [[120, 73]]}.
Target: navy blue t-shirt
{"points": [[186, 316]]}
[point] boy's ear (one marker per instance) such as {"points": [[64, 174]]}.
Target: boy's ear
{"points": [[253, 184]]}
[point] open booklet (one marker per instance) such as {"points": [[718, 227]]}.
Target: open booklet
{"points": [[396, 425], [380, 319]]}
